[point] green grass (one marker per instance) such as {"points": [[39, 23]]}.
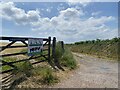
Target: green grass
{"points": [[22, 67], [66, 58], [59, 52], [47, 75], [8, 59], [6, 67], [101, 48]]}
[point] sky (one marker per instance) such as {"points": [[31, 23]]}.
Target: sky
{"points": [[67, 21]]}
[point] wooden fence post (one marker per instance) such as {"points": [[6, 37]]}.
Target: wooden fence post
{"points": [[62, 45], [56, 61], [49, 58], [53, 48], [49, 44]]}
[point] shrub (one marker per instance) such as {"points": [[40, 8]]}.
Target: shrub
{"points": [[24, 68], [68, 60], [47, 75], [59, 51]]}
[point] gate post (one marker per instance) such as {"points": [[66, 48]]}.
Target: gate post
{"points": [[56, 61], [62, 45], [49, 44], [53, 49], [49, 58]]}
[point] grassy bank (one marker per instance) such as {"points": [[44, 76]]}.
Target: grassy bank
{"points": [[101, 48]]}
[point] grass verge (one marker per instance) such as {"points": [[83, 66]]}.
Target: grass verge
{"points": [[46, 74], [65, 57], [68, 60]]}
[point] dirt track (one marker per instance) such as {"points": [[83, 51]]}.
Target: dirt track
{"points": [[93, 72]]}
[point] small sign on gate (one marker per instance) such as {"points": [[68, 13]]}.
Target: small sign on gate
{"points": [[35, 46]]}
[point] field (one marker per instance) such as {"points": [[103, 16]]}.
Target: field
{"points": [[101, 48]]}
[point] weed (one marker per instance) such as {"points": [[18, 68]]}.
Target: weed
{"points": [[24, 68], [58, 50], [47, 75], [68, 60]]}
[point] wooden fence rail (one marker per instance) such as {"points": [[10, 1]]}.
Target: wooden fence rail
{"points": [[24, 40]]}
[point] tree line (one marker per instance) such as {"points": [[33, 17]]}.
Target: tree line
{"points": [[114, 40]]}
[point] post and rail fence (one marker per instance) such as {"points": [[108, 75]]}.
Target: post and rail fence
{"points": [[47, 46]]}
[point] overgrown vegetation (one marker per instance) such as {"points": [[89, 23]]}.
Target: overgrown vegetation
{"points": [[46, 74], [68, 60], [65, 57], [101, 48], [24, 68], [7, 59]]}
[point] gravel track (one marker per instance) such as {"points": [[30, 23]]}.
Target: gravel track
{"points": [[92, 72]]}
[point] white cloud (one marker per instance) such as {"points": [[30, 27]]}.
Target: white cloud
{"points": [[68, 25], [82, 2], [19, 16], [96, 13], [33, 15], [9, 11], [71, 12]]}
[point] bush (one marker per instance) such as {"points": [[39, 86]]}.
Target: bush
{"points": [[59, 51], [47, 75], [68, 60], [24, 68]]}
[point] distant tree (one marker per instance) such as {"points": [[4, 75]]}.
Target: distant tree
{"points": [[86, 42], [98, 40], [93, 41], [115, 39], [107, 40], [77, 43], [82, 42]]}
